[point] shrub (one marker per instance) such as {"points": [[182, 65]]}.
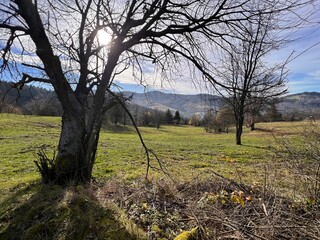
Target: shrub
{"points": [[302, 159]]}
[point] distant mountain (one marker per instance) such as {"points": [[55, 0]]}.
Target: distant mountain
{"points": [[306, 103], [30, 99], [24, 96], [303, 101], [45, 102], [303, 104], [187, 105]]}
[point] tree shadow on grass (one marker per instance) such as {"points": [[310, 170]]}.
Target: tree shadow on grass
{"points": [[256, 146], [270, 130], [50, 212], [117, 128]]}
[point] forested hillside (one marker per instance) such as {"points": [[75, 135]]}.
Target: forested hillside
{"points": [[40, 101], [292, 107], [306, 104], [28, 100]]}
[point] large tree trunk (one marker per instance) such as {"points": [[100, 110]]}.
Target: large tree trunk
{"points": [[238, 135], [239, 129], [70, 163], [76, 153]]}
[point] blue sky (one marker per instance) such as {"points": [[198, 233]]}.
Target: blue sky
{"points": [[304, 67]]}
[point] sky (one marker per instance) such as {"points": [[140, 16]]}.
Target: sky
{"points": [[304, 68]]}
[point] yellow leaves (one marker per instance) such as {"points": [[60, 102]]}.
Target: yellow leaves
{"points": [[223, 197], [249, 198], [188, 235], [237, 197], [145, 206]]}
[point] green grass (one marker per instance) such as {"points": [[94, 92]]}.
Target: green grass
{"points": [[33, 211], [20, 138], [185, 151]]}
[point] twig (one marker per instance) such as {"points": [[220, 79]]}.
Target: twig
{"points": [[147, 150], [241, 186], [265, 209]]}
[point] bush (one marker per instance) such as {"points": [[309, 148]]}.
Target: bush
{"points": [[302, 159]]}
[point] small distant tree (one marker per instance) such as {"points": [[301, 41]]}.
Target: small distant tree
{"points": [[272, 112], [177, 118], [223, 120], [135, 110], [184, 120], [253, 111], [115, 114], [168, 117], [208, 121], [157, 118], [195, 120], [146, 118], [9, 108]]}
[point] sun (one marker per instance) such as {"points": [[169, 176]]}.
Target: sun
{"points": [[104, 37]]}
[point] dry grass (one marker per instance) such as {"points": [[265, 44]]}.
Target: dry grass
{"points": [[221, 208]]}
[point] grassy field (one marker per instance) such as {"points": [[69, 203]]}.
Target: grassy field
{"points": [[185, 151], [190, 156]]}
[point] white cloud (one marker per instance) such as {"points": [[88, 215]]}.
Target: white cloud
{"points": [[316, 74], [154, 81]]}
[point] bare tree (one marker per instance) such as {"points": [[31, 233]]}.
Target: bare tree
{"points": [[208, 120], [59, 43], [168, 116], [256, 105], [247, 79], [158, 117]]}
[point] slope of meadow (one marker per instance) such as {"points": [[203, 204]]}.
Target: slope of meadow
{"points": [[184, 150], [206, 172]]}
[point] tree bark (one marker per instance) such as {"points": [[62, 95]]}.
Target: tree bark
{"points": [[69, 163], [76, 151], [252, 126], [239, 129]]}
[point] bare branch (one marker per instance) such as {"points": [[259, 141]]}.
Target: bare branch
{"points": [[14, 28], [148, 151], [29, 79]]}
